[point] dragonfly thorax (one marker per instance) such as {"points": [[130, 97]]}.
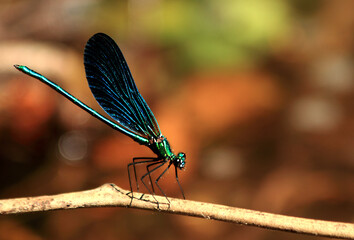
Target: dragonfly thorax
{"points": [[162, 148]]}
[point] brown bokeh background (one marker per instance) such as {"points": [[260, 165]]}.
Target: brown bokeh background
{"points": [[258, 94]]}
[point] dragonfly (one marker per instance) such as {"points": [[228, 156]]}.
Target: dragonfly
{"points": [[113, 87]]}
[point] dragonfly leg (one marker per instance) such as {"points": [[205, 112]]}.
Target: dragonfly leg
{"points": [[180, 187], [137, 161], [158, 179], [148, 171], [160, 164]]}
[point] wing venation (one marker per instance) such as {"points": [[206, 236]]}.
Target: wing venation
{"points": [[112, 85]]}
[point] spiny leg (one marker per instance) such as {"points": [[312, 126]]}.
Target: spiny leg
{"points": [[157, 180], [148, 172], [133, 164], [161, 163], [180, 187]]}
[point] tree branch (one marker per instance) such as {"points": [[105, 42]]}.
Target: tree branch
{"points": [[109, 195]]}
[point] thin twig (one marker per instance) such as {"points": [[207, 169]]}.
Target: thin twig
{"points": [[109, 195]]}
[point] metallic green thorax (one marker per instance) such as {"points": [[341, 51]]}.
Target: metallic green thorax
{"points": [[161, 147]]}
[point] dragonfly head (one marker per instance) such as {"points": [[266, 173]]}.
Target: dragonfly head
{"points": [[180, 160]]}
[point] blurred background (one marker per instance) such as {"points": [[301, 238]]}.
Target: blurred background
{"points": [[258, 94]]}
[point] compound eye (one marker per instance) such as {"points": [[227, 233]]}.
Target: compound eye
{"points": [[182, 156]]}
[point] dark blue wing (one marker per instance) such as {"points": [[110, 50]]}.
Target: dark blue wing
{"points": [[112, 85]]}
